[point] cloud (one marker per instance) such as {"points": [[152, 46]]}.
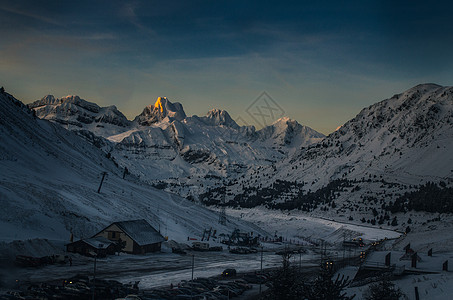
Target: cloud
{"points": [[28, 14], [129, 12]]}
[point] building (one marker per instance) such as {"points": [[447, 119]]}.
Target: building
{"points": [[138, 236], [95, 245]]}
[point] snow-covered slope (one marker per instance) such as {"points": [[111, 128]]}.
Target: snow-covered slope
{"points": [[406, 138], [49, 178]]}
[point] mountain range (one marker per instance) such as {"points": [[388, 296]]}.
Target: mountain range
{"points": [[162, 143], [361, 170]]}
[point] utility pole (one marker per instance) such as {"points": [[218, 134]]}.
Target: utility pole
{"points": [[261, 273], [193, 261], [102, 180], [222, 216], [300, 260], [94, 274]]}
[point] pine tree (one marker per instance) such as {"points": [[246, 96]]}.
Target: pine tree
{"points": [[394, 222], [324, 288], [286, 284], [383, 290], [408, 229]]}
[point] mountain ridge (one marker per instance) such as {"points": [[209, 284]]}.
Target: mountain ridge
{"points": [[213, 144]]}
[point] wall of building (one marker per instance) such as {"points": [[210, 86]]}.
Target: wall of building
{"points": [[119, 234]]}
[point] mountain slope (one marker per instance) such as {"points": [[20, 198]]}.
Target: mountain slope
{"points": [[49, 181], [409, 135]]}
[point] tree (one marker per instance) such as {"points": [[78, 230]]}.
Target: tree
{"points": [[383, 290], [286, 284], [408, 229], [119, 245], [324, 288], [394, 222]]}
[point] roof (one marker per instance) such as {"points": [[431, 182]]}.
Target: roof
{"points": [[141, 232], [99, 242]]}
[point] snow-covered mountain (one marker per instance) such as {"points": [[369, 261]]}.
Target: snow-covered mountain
{"points": [[407, 138], [163, 144], [388, 149], [356, 173], [76, 114], [49, 178]]}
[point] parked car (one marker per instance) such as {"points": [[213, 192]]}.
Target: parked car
{"points": [[229, 272]]}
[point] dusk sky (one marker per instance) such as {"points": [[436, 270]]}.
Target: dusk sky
{"points": [[321, 61]]}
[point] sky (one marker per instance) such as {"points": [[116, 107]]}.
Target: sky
{"points": [[318, 62]]}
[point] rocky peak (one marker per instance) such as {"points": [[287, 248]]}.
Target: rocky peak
{"points": [[216, 117], [161, 109]]}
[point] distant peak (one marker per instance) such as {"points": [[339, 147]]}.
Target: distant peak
{"points": [[161, 109], [219, 117], [158, 105], [48, 97], [284, 120], [217, 112], [72, 98]]}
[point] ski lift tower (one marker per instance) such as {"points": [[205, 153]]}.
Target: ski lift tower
{"points": [[222, 215]]}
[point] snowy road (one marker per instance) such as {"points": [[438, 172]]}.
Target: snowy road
{"points": [[157, 269]]}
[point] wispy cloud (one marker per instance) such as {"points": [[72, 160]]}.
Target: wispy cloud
{"points": [[29, 14], [98, 37], [129, 12]]}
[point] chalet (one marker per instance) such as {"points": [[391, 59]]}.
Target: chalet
{"points": [[138, 236], [99, 245]]}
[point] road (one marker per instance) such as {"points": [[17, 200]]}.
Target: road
{"points": [[155, 269]]}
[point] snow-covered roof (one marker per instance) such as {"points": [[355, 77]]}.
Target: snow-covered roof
{"points": [[98, 242], [141, 232]]}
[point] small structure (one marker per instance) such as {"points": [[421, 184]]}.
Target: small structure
{"points": [[137, 236], [99, 245], [354, 243], [200, 246], [238, 238]]}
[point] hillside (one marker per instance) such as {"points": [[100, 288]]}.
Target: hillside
{"points": [[49, 182]]}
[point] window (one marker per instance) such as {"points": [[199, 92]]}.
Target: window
{"points": [[113, 235]]}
